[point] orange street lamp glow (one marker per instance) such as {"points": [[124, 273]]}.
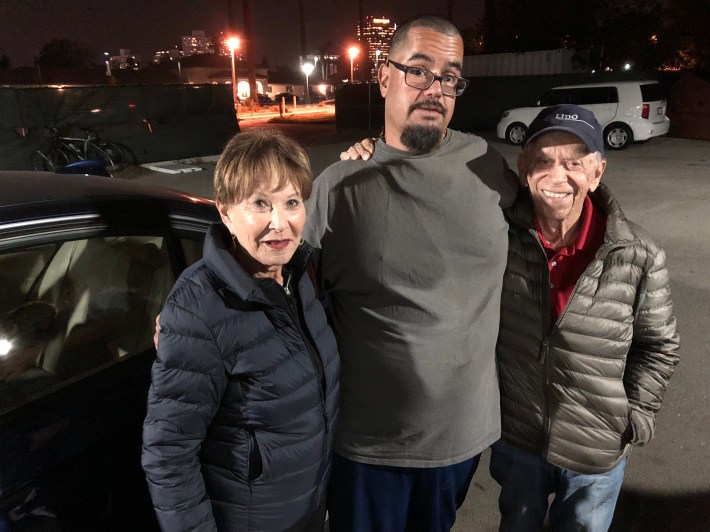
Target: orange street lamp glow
{"points": [[353, 51], [232, 43]]}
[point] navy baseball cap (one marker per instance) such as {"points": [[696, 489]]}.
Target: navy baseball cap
{"points": [[572, 119]]}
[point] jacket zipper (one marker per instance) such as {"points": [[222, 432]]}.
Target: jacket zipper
{"points": [[544, 348], [315, 358], [294, 310], [545, 344]]}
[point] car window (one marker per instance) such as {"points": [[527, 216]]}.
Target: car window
{"points": [[652, 92], [558, 96], [71, 307], [596, 95], [580, 96], [192, 248]]}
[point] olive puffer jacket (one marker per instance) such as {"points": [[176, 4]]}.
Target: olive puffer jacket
{"points": [[243, 401], [580, 393]]}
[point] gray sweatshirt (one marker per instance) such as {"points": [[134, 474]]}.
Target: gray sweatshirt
{"points": [[413, 255]]}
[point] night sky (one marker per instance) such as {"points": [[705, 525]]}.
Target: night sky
{"points": [[144, 26]]}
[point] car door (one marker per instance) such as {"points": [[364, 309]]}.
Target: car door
{"points": [[602, 101], [78, 300]]}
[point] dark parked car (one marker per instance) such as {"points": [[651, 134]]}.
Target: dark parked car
{"points": [[317, 97], [264, 100], [85, 265], [288, 97]]}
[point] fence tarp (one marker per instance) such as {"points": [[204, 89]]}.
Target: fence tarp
{"points": [[480, 106], [153, 122]]}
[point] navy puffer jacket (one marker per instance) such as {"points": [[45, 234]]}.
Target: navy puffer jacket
{"points": [[239, 431]]}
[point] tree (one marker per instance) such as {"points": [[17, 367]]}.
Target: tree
{"points": [[527, 25], [472, 40], [64, 53], [4, 61], [686, 39], [622, 32], [605, 33]]}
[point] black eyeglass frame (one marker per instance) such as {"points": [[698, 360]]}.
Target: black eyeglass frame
{"points": [[460, 82]]}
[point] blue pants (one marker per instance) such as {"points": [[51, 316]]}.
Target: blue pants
{"points": [[372, 498], [581, 502]]}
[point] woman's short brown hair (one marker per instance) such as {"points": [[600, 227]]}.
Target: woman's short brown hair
{"points": [[254, 158]]}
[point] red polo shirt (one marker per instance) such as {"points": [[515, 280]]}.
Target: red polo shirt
{"points": [[567, 264]]}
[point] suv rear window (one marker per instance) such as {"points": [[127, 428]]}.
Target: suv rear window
{"points": [[652, 92]]}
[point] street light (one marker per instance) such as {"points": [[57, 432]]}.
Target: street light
{"points": [[108, 63], [233, 44], [307, 69], [352, 52]]}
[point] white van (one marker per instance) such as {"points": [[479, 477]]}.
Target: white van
{"points": [[629, 111]]}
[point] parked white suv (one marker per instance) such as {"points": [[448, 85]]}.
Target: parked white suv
{"points": [[629, 111]]}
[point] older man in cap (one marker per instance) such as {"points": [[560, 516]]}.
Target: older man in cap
{"points": [[587, 340]]}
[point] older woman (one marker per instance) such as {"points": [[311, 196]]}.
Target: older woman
{"points": [[244, 392]]}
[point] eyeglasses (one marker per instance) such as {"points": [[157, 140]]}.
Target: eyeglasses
{"points": [[421, 78]]}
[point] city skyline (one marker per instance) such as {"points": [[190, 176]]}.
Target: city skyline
{"points": [[102, 26]]}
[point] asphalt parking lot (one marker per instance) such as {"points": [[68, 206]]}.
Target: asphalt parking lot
{"points": [[663, 185]]}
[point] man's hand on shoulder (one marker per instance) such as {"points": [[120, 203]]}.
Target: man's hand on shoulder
{"points": [[360, 150]]}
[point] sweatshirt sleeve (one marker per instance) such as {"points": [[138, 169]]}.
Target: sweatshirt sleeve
{"points": [[188, 380], [509, 185]]}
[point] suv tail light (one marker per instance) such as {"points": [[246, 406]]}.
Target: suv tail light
{"points": [[645, 111]]}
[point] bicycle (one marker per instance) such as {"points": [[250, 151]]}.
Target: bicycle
{"points": [[62, 151]]}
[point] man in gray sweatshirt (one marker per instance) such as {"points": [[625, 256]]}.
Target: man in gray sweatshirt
{"points": [[413, 249]]}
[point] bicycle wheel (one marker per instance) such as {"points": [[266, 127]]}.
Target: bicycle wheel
{"points": [[50, 160], [108, 152]]}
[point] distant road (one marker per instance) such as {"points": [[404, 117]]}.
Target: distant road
{"points": [[301, 112]]}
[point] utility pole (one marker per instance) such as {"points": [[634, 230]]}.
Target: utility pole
{"points": [[231, 22], [249, 37], [490, 44], [302, 22], [364, 45]]}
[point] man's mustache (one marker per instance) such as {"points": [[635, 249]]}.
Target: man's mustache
{"points": [[429, 105]]}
